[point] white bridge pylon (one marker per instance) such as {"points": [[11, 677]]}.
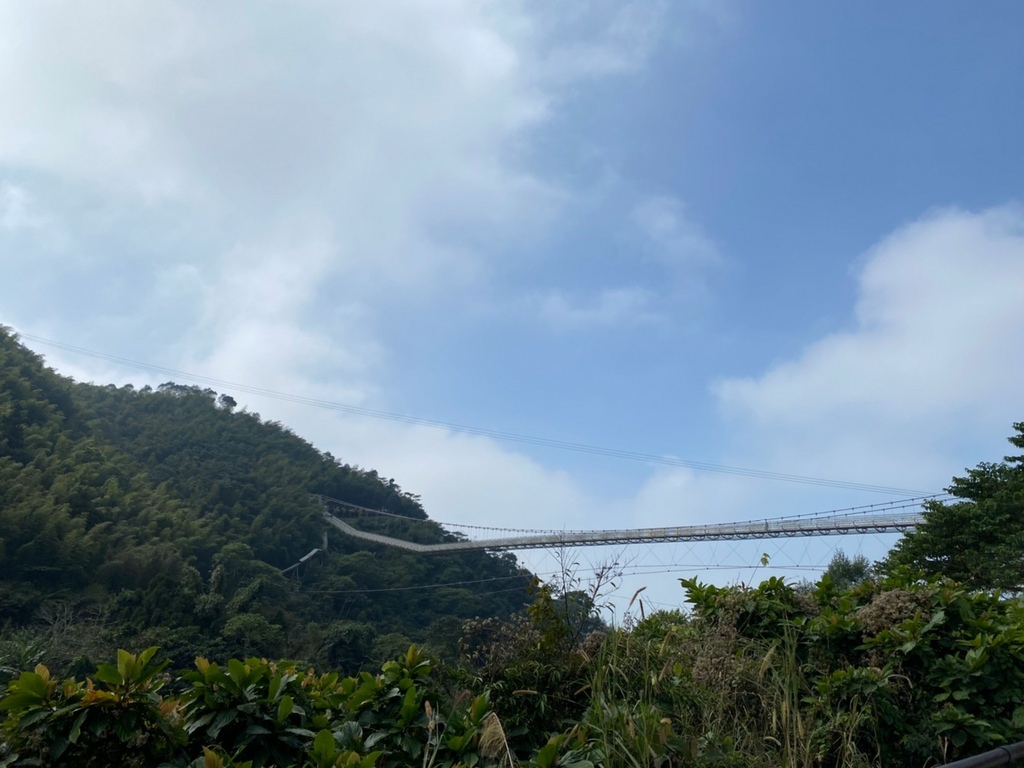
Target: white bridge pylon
{"points": [[896, 517]]}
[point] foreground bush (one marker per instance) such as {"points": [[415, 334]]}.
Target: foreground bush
{"points": [[248, 713], [895, 674], [115, 718], [902, 673]]}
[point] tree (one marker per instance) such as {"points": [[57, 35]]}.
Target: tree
{"points": [[170, 512], [846, 572], [978, 539]]}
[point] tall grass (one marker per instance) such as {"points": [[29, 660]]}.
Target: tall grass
{"points": [[698, 694]]}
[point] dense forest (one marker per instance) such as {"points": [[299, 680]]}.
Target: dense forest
{"points": [[131, 516]]}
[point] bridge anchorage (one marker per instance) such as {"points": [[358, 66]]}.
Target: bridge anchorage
{"points": [[878, 518]]}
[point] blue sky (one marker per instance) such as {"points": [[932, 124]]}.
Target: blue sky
{"points": [[786, 236]]}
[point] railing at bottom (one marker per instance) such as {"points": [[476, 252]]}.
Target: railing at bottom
{"points": [[1008, 755]]}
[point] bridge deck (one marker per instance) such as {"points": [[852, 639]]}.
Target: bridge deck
{"points": [[754, 529]]}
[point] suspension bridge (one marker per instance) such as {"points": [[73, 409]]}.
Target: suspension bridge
{"points": [[887, 517]]}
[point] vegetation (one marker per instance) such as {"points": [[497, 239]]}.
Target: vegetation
{"points": [[884, 674], [130, 517], [846, 572], [979, 539]]}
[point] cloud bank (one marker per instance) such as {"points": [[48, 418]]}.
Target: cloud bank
{"points": [[932, 354]]}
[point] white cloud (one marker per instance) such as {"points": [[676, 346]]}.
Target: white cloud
{"points": [[397, 130], [16, 211], [373, 106], [262, 322], [937, 338], [673, 237], [926, 381], [77, 79], [473, 479], [371, 114], [614, 307], [25, 222], [617, 38], [682, 254]]}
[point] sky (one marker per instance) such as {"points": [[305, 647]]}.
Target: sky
{"points": [[786, 237]]}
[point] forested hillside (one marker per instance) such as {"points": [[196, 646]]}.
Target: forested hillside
{"points": [[130, 516]]}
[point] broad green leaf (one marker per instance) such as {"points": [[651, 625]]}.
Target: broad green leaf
{"points": [[222, 720], [125, 664], [76, 727], [108, 674], [147, 655], [32, 683], [284, 709], [18, 701], [323, 744]]}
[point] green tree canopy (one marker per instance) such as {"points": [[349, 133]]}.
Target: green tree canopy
{"points": [[978, 539], [167, 516], [846, 572]]}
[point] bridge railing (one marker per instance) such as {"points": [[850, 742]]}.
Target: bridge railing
{"points": [[754, 529], [1009, 755]]}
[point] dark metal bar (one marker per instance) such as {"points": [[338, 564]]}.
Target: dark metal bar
{"points": [[1007, 755]]}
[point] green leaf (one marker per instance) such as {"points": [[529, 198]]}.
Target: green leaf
{"points": [[127, 730], [274, 688], [76, 727], [548, 754], [323, 744], [31, 683], [147, 655], [937, 618], [350, 734], [456, 743], [125, 664], [410, 707], [284, 709], [111, 675], [57, 748], [19, 701], [373, 738], [237, 672], [222, 720]]}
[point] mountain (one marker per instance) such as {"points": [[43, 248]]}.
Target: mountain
{"points": [[138, 516]]}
